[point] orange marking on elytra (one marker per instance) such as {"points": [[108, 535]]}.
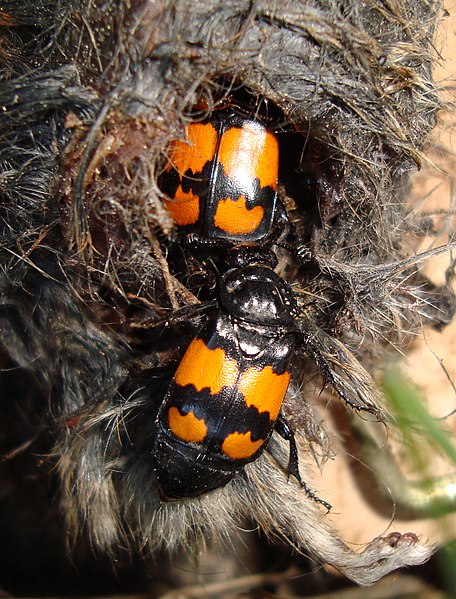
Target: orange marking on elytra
{"points": [[206, 368], [264, 389], [233, 216], [239, 446], [184, 207], [249, 153], [186, 427], [193, 153]]}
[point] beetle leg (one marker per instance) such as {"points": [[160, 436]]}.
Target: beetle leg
{"points": [[193, 312], [286, 433], [340, 369]]}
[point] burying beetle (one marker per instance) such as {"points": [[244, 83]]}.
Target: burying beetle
{"points": [[226, 396]]}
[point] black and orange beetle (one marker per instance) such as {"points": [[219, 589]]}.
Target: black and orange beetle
{"points": [[225, 399], [221, 182], [227, 393]]}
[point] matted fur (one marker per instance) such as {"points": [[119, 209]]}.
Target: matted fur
{"points": [[92, 94]]}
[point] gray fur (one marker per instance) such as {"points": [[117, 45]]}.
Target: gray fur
{"points": [[88, 112]]}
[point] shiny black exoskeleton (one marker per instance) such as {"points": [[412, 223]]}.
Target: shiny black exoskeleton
{"points": [[225, 399]]}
